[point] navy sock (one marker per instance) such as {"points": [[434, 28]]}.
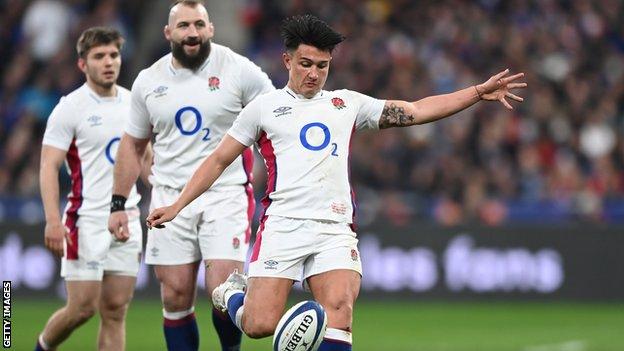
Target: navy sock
{"points": [[233, 304], [229, 334], [334, 345], [181, 334], [38, 347], [336, 340]]}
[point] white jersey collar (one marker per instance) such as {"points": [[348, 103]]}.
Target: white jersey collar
{"points": [[292, 93], [101, 99]]}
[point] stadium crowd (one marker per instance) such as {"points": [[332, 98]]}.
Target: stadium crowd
{"points": [[559, 156]]}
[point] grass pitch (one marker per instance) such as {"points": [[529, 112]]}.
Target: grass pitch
{"points": [[400, 326]]}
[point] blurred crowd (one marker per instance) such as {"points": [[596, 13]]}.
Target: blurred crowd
{"points": [[39, 66], [557, 156]]}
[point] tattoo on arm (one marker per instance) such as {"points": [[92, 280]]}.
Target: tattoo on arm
{"points": [[395, 116]]}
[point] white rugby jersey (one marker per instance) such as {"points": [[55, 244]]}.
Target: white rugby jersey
{"points": [[89, 128], [189, 112], [305, 144]]}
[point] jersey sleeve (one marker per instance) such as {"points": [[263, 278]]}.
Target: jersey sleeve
{"points": [[246, 127], [369, 111], [61, 126], [253, 81], [138, 124]]}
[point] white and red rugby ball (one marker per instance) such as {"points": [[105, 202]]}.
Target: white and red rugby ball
{"points": [[301, 328]]}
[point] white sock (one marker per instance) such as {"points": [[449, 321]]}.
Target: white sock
{"points": [[178, 315], [43, 343], [339, 335], [239, 318]]}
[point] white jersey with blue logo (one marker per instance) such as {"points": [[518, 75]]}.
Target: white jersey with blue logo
{"points": [[188, 113], [89, 128], [305, 144]]}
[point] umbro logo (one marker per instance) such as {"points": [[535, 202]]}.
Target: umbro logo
{"points": [[95, 121], [93, 265], [270, 264], [283, 110], [160, 91]]}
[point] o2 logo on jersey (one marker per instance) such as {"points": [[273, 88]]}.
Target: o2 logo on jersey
{"points": [[188, 120], [310, 137], [110, 153]]}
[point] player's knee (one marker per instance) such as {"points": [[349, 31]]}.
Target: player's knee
{"points": [[114, 310], [340, 306], [257, 328], [84, 312], [176, 297]]}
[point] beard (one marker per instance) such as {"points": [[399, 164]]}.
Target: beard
{"points": [[101, 82], [192, 62]]}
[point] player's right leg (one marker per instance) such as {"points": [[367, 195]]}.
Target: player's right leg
{"points": [[82, 304], [174, 253], [276, 262], [178, 289]]}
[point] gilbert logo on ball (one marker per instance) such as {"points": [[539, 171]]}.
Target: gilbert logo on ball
{"points": [[301, 328]]}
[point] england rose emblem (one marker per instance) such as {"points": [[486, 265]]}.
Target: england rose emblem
{"points": [[354, 255], [213, 83], [338, 103], [235, 243]]}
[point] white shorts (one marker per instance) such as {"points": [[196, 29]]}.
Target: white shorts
{"points": [[300, 248], [214, 226], [95, 251]]}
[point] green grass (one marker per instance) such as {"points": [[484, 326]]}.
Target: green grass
{"points": [[408, 326]]}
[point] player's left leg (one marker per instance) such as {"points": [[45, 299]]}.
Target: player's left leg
{"points": [[117, 291], [217, 271], [334, 276], [336, 291], [224, 239], [121, 267]]}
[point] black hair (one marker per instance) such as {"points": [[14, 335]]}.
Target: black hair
{"points": [[309, 30], [96, 36]]}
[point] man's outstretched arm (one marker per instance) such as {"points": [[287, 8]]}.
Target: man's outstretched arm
{"points": [[398, 113], [203, 178]]}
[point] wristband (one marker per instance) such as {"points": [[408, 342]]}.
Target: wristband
{"points": [[118, 203]]}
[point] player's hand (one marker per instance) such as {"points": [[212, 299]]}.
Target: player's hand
{"points": [[498, 88], [53, 237], [118, 225], [160, 216]]}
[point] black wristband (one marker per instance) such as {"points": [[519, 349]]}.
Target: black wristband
{"points": [[118, 203]]}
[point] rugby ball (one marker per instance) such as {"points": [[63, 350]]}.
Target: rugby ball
{"points": [[301, 328]]}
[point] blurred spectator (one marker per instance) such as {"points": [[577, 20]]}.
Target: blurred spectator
{"points": [[46, 27]]}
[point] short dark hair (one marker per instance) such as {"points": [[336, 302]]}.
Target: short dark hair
{"points": [[309, 30], [191, 3], [96, 36]]}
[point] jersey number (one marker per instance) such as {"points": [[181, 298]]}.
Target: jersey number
{"points": [[196, 127], [303, 137]]}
